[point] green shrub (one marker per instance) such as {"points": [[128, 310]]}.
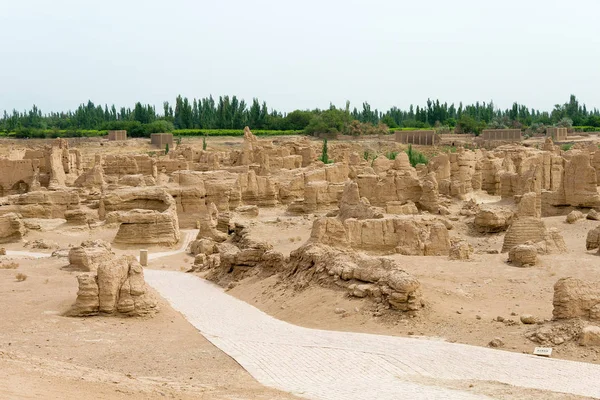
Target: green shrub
{"points": [[449, 149], [324, 157], [416, 157], [391, 155], [566, 146], [232, 132], [586, 129]]}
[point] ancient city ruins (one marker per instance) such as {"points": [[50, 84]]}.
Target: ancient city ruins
{"points": [[494, 243]]}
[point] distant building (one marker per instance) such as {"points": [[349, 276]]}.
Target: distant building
{"points": [[117, 135], [161, 139], [503, 135], [557, 134], [426, 138]]}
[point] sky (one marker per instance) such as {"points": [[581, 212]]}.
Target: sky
{"points": [[299, 54]]}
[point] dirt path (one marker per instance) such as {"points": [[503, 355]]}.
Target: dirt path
{"points": [[340, 365]]}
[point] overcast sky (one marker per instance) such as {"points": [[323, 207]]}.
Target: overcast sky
{"points": [[299, 54]]}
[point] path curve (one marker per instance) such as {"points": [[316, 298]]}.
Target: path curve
{"points": [[331, 365], [22, 254]]}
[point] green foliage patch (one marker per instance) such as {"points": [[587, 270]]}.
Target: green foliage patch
{"points": [[416, 157]]}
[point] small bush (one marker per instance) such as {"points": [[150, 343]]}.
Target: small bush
{"points": [[11, 265], [391, 155], [449, 149], [20, 277], [324, 157], [566, 146], [233, 132], [416, 157]]}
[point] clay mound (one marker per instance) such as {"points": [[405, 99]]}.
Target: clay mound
{"points": [[533, 230], [592, 240], [523, 255], [81, 216], [12, 228], [574, 216], [117, 288], [353, 206], [460, 250], [92, 178], [423, 236], [236, 258], [401, 208], [575, 298], [209, 226], [146, 216], [527, 226], [593, 214], [363, 276], [523, 230], [89, 255], [43, 204], [492, 220]]}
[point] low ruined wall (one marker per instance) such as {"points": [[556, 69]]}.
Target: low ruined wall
{"points": [[401, 235], [427, 138]]}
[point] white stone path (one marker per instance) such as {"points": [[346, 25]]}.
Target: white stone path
{"points": [[330, 365]]}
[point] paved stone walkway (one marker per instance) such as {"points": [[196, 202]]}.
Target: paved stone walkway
{"points": [[330, 365], [22, 254]]}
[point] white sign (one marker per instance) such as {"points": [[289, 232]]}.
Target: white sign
{"points": [[543, 351]]}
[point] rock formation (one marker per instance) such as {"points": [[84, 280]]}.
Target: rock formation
{"points": [[528, 226], [523, 255], [12, 228], [491, 220], [574, 298], [592, 240], [146, 215], [353, 206], [89, 255], [409, 236], [593, 214], [117, 288], [363, 276], [92, 178], [460, 250], [42, 204], [574, 216]]}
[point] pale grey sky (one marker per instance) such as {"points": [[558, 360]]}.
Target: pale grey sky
{"points": [[299, 54]]}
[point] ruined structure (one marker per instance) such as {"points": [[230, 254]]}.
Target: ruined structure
{"points": [[427, 138], [89, 255], [575, 298], [12, 228], [557, 134], [145, 216], [502, 135], [378, 278], [117, 135], [118, 287], [161, 140], [527, 226]]}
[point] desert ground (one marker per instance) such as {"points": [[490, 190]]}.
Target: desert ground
{"points": [[472, 248]]}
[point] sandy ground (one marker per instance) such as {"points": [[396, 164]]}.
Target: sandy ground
{"points": [[43, 354], [463, 299]]}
